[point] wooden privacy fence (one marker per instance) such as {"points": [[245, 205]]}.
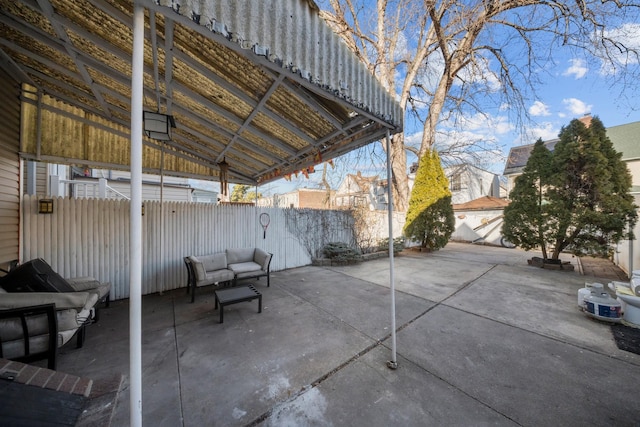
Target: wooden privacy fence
{"points": [[90, 237]]}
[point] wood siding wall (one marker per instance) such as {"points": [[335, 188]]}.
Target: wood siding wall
{"points": [[9, 169]]}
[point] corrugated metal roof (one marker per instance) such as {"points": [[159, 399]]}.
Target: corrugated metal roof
{"points": [[265, 85]]}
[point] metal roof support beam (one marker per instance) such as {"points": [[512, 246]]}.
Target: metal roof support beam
{"points": [[9, 65], [241, 95], [154, 52], [252, 115], [168, 63], [206, 149], [205, 122], [360, 120], [232, 118], [48, 11], [304, 96]]}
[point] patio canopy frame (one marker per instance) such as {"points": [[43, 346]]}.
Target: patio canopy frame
{"points": [[265, 86]]}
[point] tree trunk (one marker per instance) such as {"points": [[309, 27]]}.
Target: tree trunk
{"points": [[435, 109], [400, 181]]}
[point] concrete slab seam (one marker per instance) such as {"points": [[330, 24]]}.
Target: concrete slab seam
{"points": [[472, 397], [315, 383], [175, 341], [361, 353], [116, 400]]}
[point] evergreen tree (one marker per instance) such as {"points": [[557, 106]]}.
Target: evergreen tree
{"points": [[526, 219], [590, 191], [585, 202], [430, 217]]}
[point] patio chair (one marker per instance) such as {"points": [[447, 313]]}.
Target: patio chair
{"points": [[25, 324]]}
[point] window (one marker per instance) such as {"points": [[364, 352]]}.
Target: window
{"points": [[456, 183]]}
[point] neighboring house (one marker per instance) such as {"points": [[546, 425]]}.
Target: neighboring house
{"points": [[480, 220], [468, 182], [517, 160], [301, 198], [71, 181], [354, 190], [358, 190]]}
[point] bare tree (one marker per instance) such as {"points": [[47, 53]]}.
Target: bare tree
{"points": [[449, 58]]}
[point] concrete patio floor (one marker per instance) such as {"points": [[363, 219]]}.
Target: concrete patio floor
{"points": [[483, 339]]}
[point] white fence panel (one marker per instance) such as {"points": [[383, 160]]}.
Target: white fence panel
{"points": [[90, 237]]}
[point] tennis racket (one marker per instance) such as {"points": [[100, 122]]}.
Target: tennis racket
{"points": [[264, 222]]}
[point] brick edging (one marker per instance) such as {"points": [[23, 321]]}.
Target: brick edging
{"points": [[44, 378]]}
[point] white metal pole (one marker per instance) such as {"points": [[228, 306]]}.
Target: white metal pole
{"points": [[135, 245], [630, 274], [393, 363], [162, 217]]}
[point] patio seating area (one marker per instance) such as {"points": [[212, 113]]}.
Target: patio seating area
{"points": [[483, 338]]}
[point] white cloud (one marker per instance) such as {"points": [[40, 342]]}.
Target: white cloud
{"points": [[627, 35], [545, 131], [482, 124], [577, 107], [539, 108], [578, 69]]}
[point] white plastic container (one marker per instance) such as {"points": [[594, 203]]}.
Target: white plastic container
{"points": [[599, 305], [583, 292]]}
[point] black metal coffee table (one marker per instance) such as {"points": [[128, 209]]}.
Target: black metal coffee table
{"points": [[235, 295]]}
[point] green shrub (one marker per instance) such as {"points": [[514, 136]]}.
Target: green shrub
{"points": [[339, 251], [398, 244]]}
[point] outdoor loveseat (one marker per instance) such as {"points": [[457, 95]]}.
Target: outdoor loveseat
{"points": [[226, 267], [42, 313]]}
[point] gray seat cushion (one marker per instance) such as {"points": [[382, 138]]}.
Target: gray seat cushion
{"points": [[246, 267]]}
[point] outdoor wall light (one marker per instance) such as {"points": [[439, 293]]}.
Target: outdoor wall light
{"points": [[158, 126], [45, 206]]}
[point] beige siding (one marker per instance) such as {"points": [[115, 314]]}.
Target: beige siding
{"points": [[41, 175], [9, 169]]}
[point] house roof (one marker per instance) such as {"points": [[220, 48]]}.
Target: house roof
{"points": [[482, 203], [518, 156], [363, 182], [265, 86], [625, 139]]}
